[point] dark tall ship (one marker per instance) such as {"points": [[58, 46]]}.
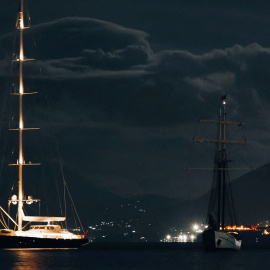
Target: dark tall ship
{"points": [[42, 231], [221, 211]]}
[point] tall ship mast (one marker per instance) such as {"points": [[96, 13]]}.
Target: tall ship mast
{"points": [[46, 233], [221, 210]]}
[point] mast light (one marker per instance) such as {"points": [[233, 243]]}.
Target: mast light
{"points": [[21, 56], [29, 200], [14, 199]]}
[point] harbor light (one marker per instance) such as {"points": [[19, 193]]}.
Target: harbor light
{"points": [[195, 227]]}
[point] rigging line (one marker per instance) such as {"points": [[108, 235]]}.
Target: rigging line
{"points": [[57, 189], [74, 207], [232, 200], [31, 208], [8, 212], [236, 153], [231, 211], [75, 221], [53, 167], [45, 190], [63, 177], [242, 159], [213, 195], [56, 145], [3, 224], [64, 184], [26, 225], [65, 201], [3, 220], [64, 181], [16, 221]]}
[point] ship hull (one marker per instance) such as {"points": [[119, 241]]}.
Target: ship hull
{"points": [[18, 242], [213, 239]]}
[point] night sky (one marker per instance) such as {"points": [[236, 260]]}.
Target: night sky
{"points": [[128, 81]]}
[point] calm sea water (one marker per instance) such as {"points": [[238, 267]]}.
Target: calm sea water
{"points": [[195, 259]]}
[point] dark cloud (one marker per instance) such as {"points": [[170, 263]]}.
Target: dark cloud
{"points": [[126, 113]]}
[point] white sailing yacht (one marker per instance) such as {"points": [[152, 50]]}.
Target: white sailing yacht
{"points": [[221, 211], [46, 233]]}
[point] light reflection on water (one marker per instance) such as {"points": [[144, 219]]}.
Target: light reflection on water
{"points": [[37, 259], [27, 260], [150, 259]]}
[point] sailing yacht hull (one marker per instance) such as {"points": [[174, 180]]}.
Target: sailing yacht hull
{"points": [[51, 235], [18, 242], [213, 239]]}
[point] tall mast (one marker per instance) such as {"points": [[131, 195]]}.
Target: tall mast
{"points": [[21, 162], [224, 166], [221, 161], [20, 26]]}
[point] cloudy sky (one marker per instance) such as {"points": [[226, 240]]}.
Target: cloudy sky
{"points": [[128, 81]]}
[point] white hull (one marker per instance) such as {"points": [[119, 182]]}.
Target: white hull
{"points": [[213, 239], [225, 240]]}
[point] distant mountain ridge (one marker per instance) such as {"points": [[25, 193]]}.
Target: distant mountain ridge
{"points": [[251, 197], [95, 204]]}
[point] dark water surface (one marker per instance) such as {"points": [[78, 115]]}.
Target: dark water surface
{"points": [[96, 259]]}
